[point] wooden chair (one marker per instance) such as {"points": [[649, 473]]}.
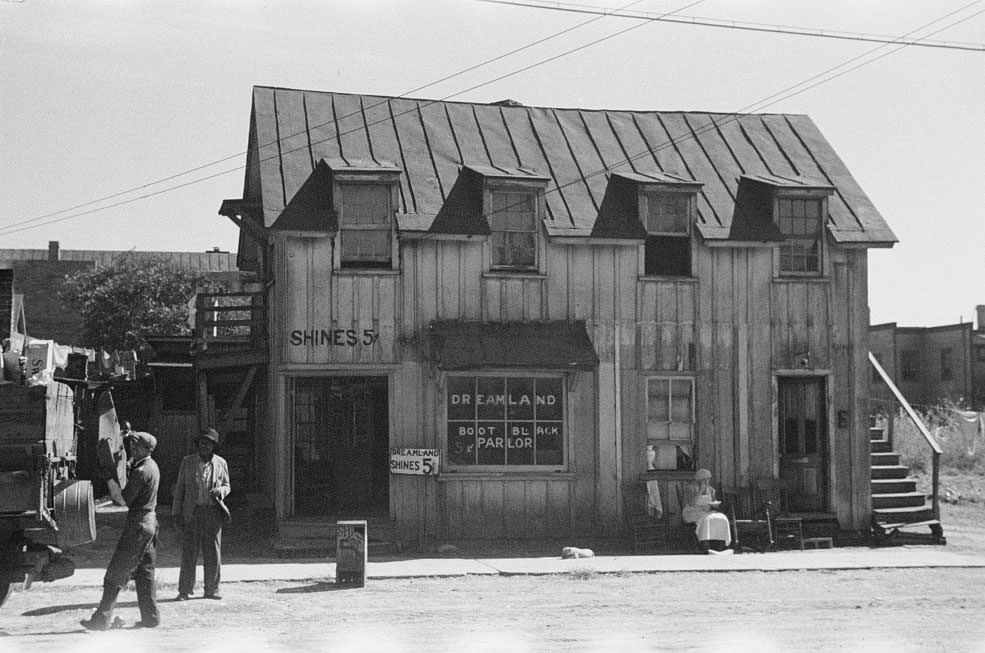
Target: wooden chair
{"points": [[752, 526], [788, 530], [649, 532]]}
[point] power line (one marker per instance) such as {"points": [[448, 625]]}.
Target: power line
{"points": [[287, 136], [902, 42], [732, 24]]}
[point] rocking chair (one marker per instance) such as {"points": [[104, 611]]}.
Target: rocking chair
{"points": [[752, 526], [650, 532]]}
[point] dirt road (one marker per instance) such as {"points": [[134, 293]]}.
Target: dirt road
{"points": [[871, 610]]}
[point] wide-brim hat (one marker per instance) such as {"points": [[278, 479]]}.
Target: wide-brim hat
{"points": [[208, 434]]}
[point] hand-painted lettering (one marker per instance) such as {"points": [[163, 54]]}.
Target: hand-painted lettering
{"points": [[332, 337]]}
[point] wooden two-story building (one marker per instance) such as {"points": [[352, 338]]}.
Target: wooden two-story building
{"points": [[560, 303]]}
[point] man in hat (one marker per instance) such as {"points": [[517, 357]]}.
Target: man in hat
{"points": [[136, 551], [198, 510]]}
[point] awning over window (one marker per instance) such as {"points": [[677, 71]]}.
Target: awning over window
{"points": [[552, 345]]}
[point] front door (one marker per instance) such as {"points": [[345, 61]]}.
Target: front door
{"points": [[341, 436], [803, 442]]}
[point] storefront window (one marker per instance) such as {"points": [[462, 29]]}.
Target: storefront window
{"points": [[505, 421]]}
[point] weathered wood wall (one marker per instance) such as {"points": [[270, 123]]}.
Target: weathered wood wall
{"points": [[734, 327]]}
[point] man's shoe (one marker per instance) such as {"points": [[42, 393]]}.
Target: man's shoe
{"points": [[95, 623], [213, 596], [182, 596]]}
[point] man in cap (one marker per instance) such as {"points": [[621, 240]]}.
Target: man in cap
{"points": [[136, 551], [198, 511]]}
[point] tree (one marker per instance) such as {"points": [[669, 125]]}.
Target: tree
{"points": [[133, 297]]}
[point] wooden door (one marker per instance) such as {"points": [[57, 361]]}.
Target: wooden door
{"points": [[803, 442], [341, 436]]}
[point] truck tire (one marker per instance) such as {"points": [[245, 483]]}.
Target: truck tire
{"points": [[4, 592]]}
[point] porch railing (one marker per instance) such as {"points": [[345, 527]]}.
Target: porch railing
{"points": [[232, 318], [921, 427]]}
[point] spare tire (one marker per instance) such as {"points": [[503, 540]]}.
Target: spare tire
{"points": [[75, 512]]}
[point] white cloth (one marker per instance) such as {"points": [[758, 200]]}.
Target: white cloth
{"points": [[971, 426], [709, 524], [654, 505]]}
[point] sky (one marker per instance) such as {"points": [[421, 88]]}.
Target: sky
{"points": [[146, 105]]}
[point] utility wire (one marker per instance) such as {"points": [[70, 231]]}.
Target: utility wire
{"points": [[731, 24], [313, 127], [713, 125]]}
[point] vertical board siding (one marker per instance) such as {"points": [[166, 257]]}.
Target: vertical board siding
{"points": [[513, 508], [744, 325]]}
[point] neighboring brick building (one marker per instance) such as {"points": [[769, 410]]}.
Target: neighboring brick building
{"points": [[35, 274], [932, 363]]}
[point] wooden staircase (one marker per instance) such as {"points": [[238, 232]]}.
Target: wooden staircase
{"points": [[315, 538], [896, 503]]}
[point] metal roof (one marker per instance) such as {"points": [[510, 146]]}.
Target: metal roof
{"points": [[201, 261], [433, 141]]}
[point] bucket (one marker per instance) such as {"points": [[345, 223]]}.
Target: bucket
{"points": [[75, 512]]}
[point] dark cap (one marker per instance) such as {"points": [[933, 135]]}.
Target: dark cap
{"points": [[144, 438], [208, 434]]}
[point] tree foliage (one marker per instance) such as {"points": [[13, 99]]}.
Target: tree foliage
{"points": [[133, 297]]}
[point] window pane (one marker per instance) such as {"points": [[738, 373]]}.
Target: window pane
{"points": [[520, 443], [521, 250], [680, 401], [461, 443], [668, 212], [461, 397], [667, 256], [370, 245], [657, 393], [491, 443], [519, 399], [549, 399], [365, 204], [490, 398], [550, 443]]}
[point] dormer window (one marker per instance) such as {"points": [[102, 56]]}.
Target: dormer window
{"points": [[799, 220], [511, 213], [365, 225], [513, 229], [668, 216]]}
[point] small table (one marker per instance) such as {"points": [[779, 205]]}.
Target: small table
{"points": [[819, 542]]}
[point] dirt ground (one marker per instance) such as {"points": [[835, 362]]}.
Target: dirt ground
{"points": [[865, 610], [896, 610]]}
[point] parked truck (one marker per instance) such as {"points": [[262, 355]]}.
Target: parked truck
{"points": [[44, 507]]}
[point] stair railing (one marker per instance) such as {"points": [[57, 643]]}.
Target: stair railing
{"points": [[934, 447]]}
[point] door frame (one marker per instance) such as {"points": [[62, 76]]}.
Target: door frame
{"points": [[825, 376], [287, 415]]}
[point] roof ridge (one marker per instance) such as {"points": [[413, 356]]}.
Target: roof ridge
{"points": [[498, 103]]}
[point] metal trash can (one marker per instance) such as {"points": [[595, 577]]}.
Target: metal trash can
{"points": [[351, 542]]}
